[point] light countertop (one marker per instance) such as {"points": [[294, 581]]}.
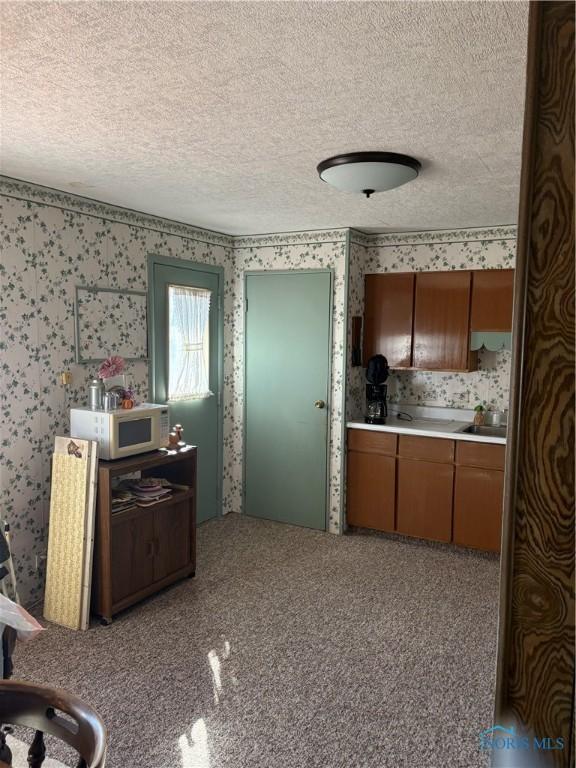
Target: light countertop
{"points": [[445, 428]]}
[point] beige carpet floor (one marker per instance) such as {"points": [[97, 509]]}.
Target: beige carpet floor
{"points": [[292, 649]]}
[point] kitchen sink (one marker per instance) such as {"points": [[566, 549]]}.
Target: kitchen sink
{"points": [[484, 431]]}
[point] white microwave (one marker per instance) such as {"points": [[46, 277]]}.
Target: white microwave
{"points": [[122, 432]]}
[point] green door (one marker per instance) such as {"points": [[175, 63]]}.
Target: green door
{"points": [[185, 364], [287, 371]]}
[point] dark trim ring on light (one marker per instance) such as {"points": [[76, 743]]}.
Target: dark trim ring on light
{"points": [[369, 157], [386, 158]]}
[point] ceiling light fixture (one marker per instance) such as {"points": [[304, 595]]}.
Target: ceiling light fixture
{"points": [[368, 172]]}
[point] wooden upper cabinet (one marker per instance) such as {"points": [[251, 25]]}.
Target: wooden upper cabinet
{"points": [[424, 319], [442, 322], [492, 293], [388, 314]]}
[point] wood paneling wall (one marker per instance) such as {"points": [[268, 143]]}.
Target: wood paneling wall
{"points": [[535, 680]]}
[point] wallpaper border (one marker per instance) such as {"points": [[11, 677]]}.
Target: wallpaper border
{"points": [[423, 237], [359, 238], [34, 193], [305, 237]]}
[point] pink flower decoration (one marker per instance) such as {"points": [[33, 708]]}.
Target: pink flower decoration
{"points": [[112, 366]]}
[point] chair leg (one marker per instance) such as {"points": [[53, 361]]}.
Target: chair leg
{"points": [[37, 751], [5, 751]]}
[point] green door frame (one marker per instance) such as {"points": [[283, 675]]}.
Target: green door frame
{"points": [[330, 271], [169, 261]]}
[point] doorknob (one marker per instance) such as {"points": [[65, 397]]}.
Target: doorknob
{"points": [[319, 404]]}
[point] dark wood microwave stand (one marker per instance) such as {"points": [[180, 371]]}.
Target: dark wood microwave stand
{"points": [[141, 550]]}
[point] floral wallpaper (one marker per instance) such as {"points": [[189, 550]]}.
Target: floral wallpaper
{"points": [[485, 248], [47, 250], [355, 374], [53, 242], [111, 323]]}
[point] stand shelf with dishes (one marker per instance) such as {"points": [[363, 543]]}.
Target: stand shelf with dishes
{"points": [[145, 527]]}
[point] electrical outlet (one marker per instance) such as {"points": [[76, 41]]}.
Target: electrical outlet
{"points": [[38, 559]]}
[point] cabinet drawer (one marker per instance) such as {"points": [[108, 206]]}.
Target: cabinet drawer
{"points": [[426, 448], [372, 442], [480, 455]]}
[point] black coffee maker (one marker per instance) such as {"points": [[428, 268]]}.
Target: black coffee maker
{"points": [[376, 390]]}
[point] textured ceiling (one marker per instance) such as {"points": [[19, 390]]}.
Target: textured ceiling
{"points": [[217, 114]]}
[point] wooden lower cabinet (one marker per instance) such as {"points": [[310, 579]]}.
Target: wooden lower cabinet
{"points": [[426, 487], [148, 546], [131, 552], [143, 549], [371, 490], [173, 537], [424, 507], [478, 499]]}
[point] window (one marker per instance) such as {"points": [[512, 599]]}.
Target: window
{"points": [[188, 342]]}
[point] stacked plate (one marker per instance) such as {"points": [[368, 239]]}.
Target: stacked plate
{"points": [[148, 491]]}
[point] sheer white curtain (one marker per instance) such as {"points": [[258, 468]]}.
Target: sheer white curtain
{"points": [[188, 341]]}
